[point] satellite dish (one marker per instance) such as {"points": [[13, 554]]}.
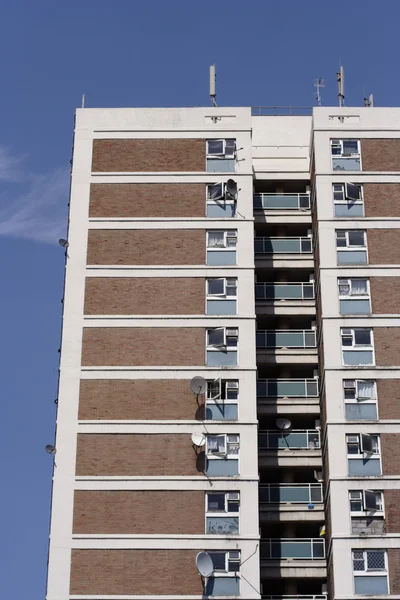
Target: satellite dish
{"points": [[63, 243], [204, 564], [50, 449], [283, 424], [198, 439], [198, 385], [231, 188]]}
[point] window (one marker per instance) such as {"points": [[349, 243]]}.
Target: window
{"points": [[354, 296], [370, 572], [357, 347], [360, 399], [222, 513], [221, 155], [363, 502], [350, 239], [221, 247], [348, 200], [226, 562], [351, 247], [363, 454], [222, 296], [221, 201], [222, 346], [223, 445], [221, 148], [346, 155], [222, 400]]}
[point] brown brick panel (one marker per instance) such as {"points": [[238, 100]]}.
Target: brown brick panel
{"points": [[143, 346], [147, 200], [138, 155], [388, 398], [382, 199], [380, 154], [138, 399], [146, 247], [385, 294], [129, 572], [118, 454], [145, 296], [139, 512], [394, 570], [383, 246], [390, 453], [392, 513], [387, 346]]}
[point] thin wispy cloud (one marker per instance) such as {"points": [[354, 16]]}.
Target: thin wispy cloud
{"points": [[32, 206]]}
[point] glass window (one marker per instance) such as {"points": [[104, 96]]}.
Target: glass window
{"points": [[350, 146], [216, 337], [216, 444], [362, 337], [215, 191], [219, 560], [216, 239], [216, 287], [215, 147], [356, 238], [216, 502]]}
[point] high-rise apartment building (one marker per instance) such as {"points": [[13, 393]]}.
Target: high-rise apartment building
{"points": [[262, 255]]}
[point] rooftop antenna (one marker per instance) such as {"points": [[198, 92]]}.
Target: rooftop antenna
{"points": [[340, 82], [83, 100], [213, 78], [369, 102], [319, 83]]}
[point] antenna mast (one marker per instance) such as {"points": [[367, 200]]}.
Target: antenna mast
{"points": [[213, 78], [340, 82], [369, 102], [319, 83]]}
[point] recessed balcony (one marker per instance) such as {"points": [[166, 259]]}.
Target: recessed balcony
{"points": [[299, 447], [292, 557], [286, 346], [280, 396], [281, 502], [284, 252], [285, 298]]}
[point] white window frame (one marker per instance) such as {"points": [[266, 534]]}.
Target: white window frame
{"points": [[228, 497], [361, 453], [338, 143], [366, 571], [357, 399], [230, 555], [356, 347], [348, 247], [229, 234], [221, 397], [352, 296], [345, 199], [225, 454], [222, 154], [228, 332], [379, 512], [224, 198], [223, 295]]}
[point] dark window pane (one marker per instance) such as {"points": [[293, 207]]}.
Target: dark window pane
{"points": [[216, 502], [350, 147], [216, 286], [216, 337], [218, 559], [356, 238], [362, 337], [215, 147]]}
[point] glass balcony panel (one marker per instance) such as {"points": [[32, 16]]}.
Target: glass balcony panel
{"points": [[316, 494], [287, 292], [287, 388], [222, 525], [290, 440], [309, 339], [281, 339], [259, 245], [293, 549], [356, 412], [355, 257], [282, 245], [294, 494], [346, 163], [349, 210], [355, 307], [306, 244], [312, 387], [358, 357], [309, 291]]}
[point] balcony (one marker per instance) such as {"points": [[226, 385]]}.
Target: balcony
{"points": [[284, 252], [290, 502], [286, 346], [292, 557], [285, 298], [278, 396], [281, 201], [299, 447]]}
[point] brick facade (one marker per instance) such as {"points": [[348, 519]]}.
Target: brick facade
{"points": [[148, 155], [394, 570], [387, 346], [380, 154], [145, 296], [146, 247], [390, 453], [385, 294], [388, 398], [383, 246], [134, 572], [147, 200], [118, 454], [138, 399], [143, 346], [392, 513], [381, 199], [163, 512]]}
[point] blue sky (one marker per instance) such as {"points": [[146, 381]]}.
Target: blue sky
{"points": [[128, 53]]}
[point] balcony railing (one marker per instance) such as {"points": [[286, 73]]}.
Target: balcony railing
{"points": [[287, 388], [283, 245], [281, 201], [286, 338], [296, 439], [285, 291], [302, 549], [299, 493]]}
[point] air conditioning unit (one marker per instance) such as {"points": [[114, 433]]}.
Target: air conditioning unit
{"points": [[232, 332], [233, 496], [232, 385]]}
